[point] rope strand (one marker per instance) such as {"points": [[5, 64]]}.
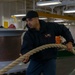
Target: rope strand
{"points": [[31, 52]]}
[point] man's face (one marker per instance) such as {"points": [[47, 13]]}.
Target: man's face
{"points": [[31, 22]]}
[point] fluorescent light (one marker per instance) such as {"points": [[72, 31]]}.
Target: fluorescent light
{"points": [[69, 11], [42, 18], [19, 15], [45, 3], [58, 20]]}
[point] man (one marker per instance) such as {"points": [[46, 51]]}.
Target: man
{"points": [[40, 33]]}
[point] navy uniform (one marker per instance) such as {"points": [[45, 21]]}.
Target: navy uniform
{"points": [[44, 61]]}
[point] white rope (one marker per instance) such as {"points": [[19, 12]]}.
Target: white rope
{"points": [[31, 52]]}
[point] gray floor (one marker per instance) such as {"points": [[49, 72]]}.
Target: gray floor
{"points": [[65, 65]]}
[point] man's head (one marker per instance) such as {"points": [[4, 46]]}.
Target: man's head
{"points": [[31, 18]]}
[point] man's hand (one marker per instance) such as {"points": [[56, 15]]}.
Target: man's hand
{"points": [[69, 46], [26, 60]]}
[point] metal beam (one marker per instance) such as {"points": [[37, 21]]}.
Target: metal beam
{"points": [[49, 15]]}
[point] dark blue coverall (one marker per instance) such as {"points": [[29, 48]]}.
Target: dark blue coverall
{"points": [[44, 61]]}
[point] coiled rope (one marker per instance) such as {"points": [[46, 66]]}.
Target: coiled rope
{"points": [[31, 52]]}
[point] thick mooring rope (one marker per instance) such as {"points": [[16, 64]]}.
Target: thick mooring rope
{"points": [[31, 52]]}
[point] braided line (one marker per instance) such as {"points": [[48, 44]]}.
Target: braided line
{"points": [[31, 52]]}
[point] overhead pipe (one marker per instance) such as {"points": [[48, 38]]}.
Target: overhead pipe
{"points": [[49, 15]]}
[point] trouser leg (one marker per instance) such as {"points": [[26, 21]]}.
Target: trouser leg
{"points": [[34, 68], [49, 67]]}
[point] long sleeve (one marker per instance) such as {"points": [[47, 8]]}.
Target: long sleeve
{"points": [[64, 31], [27, 43]]}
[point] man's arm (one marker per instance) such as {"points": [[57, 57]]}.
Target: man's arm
{"points": [[64, 31], [27, 45]]}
